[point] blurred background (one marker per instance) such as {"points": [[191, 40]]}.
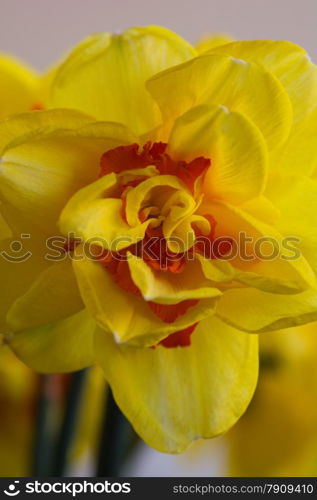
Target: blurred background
{"points": [[39, 31], [278, 434]]}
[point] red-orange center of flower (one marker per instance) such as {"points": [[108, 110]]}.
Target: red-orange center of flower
{"points": [[158, 256], [130, 157]]}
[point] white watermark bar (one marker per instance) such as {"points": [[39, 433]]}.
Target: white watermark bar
{"points": [[160, 488]]}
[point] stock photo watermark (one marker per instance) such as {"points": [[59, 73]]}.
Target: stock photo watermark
{"points": [[242, 247]]}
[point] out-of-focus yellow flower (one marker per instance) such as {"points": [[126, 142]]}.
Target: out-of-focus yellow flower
{"points": [[180, 152], [209, 42], [18, 394], [20, 90], [277, 436], [91, 413], [21, 87]]}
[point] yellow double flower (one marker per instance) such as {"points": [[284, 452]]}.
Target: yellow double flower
{"points": [[158, 159]]}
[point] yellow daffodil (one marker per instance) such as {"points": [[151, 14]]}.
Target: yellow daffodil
{"points": [[154, 208], [277, 436], [18, 392], [21, 87]]}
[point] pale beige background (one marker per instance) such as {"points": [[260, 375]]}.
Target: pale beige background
{"points": [[39, 31]]}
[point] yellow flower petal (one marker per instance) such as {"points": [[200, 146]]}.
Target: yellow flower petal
{"points": [[293, 67], [174, 396], [105, 301], [223, 273], [136, 196], [256, 311], [297, 205], [5, 230], [105, 75], [277, 434], [21, 259], [262, 208], [158, 287], [223, 80], [45, 84], [18, 86], [61, 151], [288, 62], [209, 42], [86, 437], [234, 145], [53, 295], [61, 347], [19, 391], [94, 216], [300, 151], [15, 130], [267, 253], [23, 229]]}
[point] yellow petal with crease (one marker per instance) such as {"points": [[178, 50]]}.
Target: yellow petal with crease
{"points": [[297, 205], [16, 129], [172, 288], [175, 396], [64, 346], [21, 259], [60, 158], [53, 295], [234, 145], [293, 67], [94, 216], [221, 272], [260, 248], [288, 62], [222, 80], [105, 301], [257, 311], [105, 75]]}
